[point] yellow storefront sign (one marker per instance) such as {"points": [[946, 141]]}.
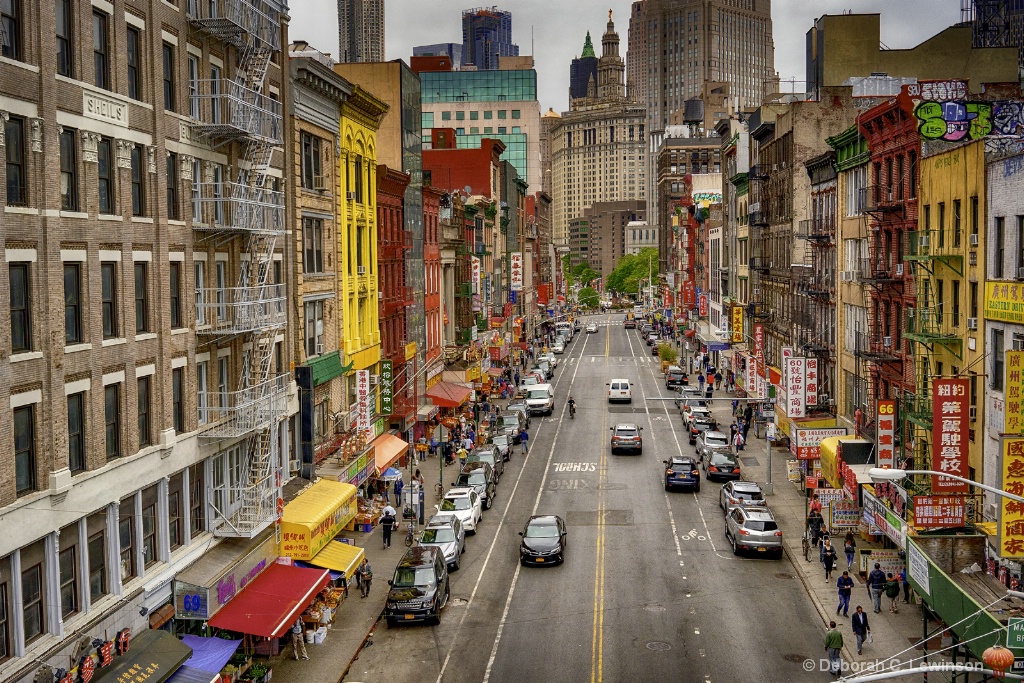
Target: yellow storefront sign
{"points": [[473, 373], [1004, 301], [315, 517], [1014, 392], [737, 324], [1011, 513], [410, 350]]}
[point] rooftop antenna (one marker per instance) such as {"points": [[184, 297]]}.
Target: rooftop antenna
{"points": [[532, 49]]}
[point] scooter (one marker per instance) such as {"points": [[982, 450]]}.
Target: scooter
{"points": [[572, 412]]}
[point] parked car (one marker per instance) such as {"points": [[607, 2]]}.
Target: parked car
{"points": [[558, 347], [710, 440], [503, 442], [742, 493], [528, 381], [545, 368], [540, 399], [445, 533], [543, 540], [591, 328], [654, 348], [419, 589], [549, 357], [629, 323], [721, 463], [675, 377], [651, 339], [481, 478], [619, 390], [700, 421], [681, 472], [519, 405], [626, 436], [465, 504], [688, 403], [511, 423], [753, 528], [490, 455]]}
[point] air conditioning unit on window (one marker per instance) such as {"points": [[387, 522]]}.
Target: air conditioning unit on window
{"points": [[350, 195], [973, 239], [319, 183], [319, 349], [361, 270], [972, 323], [973, 414], [1020, 273], [374, 380], [899, 269], [910, 311], [922, 241], [380, 295], [887, 342]]}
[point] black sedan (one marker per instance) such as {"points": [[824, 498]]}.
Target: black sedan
{"points": [[543, 540], [682, 472]]}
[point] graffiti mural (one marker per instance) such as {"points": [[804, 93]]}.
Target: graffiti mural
{"points": [[1008, 118], [954, 120]]}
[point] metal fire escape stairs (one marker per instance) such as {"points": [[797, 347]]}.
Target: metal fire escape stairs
{"points": [[237, 114]]}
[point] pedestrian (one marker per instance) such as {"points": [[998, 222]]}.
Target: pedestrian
{"points": [[524, 439], [845, 586], [718, 380], [815, 504], [708, 391], [434, 444], [517, 378], [829, 560], [892, 591], [447, 448], [418, 478], [387, 525], [849, 547], [739, 441], [299, 639], [745, 422], [815, 524], [748, 412], [876, 584], [833, 646], [735, 406], [906, 586], [700, 380], [732, 431], [861, 629], [365, 572], [461, 454], [467, 442], [399, 485], [822, 542]]}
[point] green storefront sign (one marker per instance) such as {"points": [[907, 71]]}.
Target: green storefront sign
{"points": [[386, 377]]}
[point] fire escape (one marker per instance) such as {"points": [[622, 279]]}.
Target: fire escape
{"points": [[816, 290], [238, 116], [759, 261]]}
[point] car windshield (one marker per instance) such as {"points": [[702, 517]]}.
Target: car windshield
{"points": [[510, 420], [541, 531], [501, 440], [452, 504], [711, 441], [530, 379], [748, 495], [481, 457], [759, 525], [442, 535], [477, 478], [722, 458], [537, 393], [410, 577], [682, 467], [625, 432]]}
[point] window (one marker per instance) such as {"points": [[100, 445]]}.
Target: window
{"points": [[32, 602], [197, 499], [474, 115], [174, 518], [138, 182], [193, 86], [141, 298], [899, 178], [460, 116], [200, 269], [72, 303], [25, 449], [145, 425], [310, 160], [956, 223], [218, 194], [222, 381], [14, 132], [178, 399], [359, 177], [100, 51], [172, 186], [112, 419], [996, 381], [105, 174], [76, 432], [68, 171], [134, 50], [446, 116], [149, 536], [221, 273], [502, 113], [201, 389], [168, 62], [1020, 244], [126, 533], [108, 299], [215, 94], [956, 302], [10, 29], [1000, 240], [21, 308], [974, 215], [313, 245], [68, 582], [912, 180], [942, 224], [97, 566], [314, 328], [973, 289], [515, 114], [65, 50], [5, 628], [174, 281]]}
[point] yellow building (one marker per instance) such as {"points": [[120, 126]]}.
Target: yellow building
{"points": [[947, 254]]}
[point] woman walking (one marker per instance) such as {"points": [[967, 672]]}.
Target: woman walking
{"points": [[828, 560], [849, 547]]}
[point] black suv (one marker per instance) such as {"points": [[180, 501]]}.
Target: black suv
{"points": [[675, 377], [419, 590], [480, 476]]}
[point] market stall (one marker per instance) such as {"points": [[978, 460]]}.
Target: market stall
{"points": [[315, 517]]}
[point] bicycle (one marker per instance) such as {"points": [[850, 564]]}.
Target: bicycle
{"points": [[410, 535]]}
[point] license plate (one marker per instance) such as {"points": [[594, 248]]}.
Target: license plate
{"points": [[410, 616], [761, 550], [540, 559]]}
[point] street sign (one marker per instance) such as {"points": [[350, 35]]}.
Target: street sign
{"points": [[1015, 633]]}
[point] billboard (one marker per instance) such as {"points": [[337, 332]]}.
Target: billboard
{"points": [[886, 412], [807, 442], [811, 382], [949, 433], [936, 512], [796, 403], [1011, 513], [1014, 392]]}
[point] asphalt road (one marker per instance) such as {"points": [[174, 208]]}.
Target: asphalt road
{"points": [[649, 591]]}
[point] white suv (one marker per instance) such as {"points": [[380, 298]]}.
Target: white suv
{"points": [[619, 390], [464, 503]]}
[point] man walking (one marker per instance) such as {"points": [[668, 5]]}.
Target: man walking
{"points": [[876, 583], [845, 586], [524, 438], [387, 524], [892, 591], [299, 639], [860, 628], [833, 646], [399, 485], [365, 572]]}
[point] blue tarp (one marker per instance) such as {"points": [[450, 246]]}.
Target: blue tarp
{"points": [[334, 575], [188, 674], [210, 654]]}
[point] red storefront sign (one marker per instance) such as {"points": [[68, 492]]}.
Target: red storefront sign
{"points": [[499, 352], [949, 433], [933, 512], [689, 294], [886, 433], [703, 305]]}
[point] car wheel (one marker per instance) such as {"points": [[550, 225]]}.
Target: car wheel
{"points": [[667, 487], [735, 550], [489, 503], [390, 622], [696, 489], [457, 563]]}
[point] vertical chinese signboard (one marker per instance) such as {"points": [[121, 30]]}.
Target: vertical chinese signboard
{"points": [[886, 431], [796, 405], [1011, 513], [1014, 392], [949, 433], [750, 378], [386, 391], [759, 340], [475, 269], [737, 324], [703, 305], [811, 382], [516, 268], [363, 400]]}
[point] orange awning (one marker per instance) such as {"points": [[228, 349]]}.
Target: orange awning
{"points": [[448, 394], [386, 450]]}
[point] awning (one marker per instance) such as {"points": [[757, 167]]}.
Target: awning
{"points": [[315, 517], [154, 654], [340, 557], [386, 449], [271, 603], [425, 413], [188, 674], [448, 395], [495, 372], [209, 654]]}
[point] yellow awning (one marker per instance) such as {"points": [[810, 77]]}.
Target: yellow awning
{"points": [[339, 557], [315, 517], [386, 449]]}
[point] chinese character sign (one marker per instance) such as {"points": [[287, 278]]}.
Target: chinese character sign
{"points": [[759, 340], [811, 382], [796, 405], [386, 389], [475, 269], [750, 379], [1014, 392], [363, 400], [934, 512], [703, 304], [1011, 513], [737, 324], [949, 433], [886, 412], [516, 270]]}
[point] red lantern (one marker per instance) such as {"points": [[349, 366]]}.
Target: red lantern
{"points": [[999, 659]]}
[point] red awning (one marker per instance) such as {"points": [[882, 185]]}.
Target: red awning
{"points": [[448, 394], [271, 603], [494, 372]]}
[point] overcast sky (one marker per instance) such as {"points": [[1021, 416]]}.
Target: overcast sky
{"points": [[556, 29]]}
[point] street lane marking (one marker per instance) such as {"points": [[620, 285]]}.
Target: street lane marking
{"points": [[597, 641], [574, 466]]}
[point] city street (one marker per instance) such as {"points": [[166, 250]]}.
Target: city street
{"points": [[649, 588]]}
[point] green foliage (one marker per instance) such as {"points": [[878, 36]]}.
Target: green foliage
{"points": [[584, 274], [589, 298], [667, 352], [631, 269]]}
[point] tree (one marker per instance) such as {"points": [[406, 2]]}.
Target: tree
{"points": [[589, 298], [631, 269], [584, 274]]}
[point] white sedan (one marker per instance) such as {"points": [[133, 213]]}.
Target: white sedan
{"points": [[550, 358], [465, 504], [591, 328], [558, 347]]}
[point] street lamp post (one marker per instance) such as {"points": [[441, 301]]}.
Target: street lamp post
{"points": [[880, 474]]}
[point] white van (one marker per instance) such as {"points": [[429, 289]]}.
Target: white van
{"points": [[619, 390], [540, 399], [564, 329]]}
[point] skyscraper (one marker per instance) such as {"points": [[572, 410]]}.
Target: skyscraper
{"points": [[487, 35], [451, 50], [360, 31], [582, 70]]}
